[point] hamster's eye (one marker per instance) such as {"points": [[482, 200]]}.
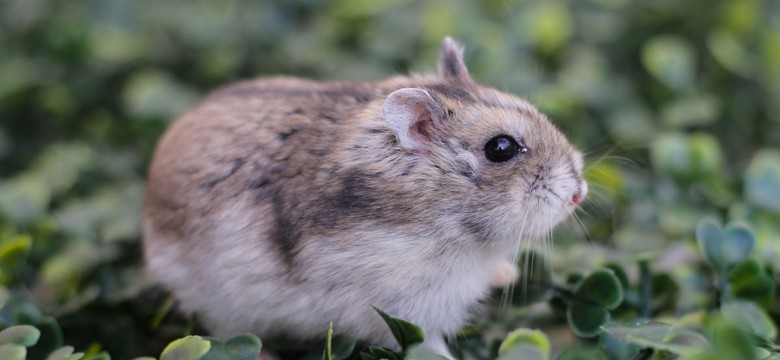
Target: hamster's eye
{"points": [[501, 148]]}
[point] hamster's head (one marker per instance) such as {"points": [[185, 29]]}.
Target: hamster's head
{"points": [[507, 169]]}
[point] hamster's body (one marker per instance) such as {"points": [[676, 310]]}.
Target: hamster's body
{"points": [[280, 205]]}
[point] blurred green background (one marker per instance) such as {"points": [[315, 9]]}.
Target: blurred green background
{"points": [[677, 104]]}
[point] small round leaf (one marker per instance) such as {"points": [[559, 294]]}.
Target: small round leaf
{"points": [[525, 352], [586, 319], [187, 348], [661, 336], [12, 352], [525, 338], [709, 235], [601, 287], [749, 317], [25, 335], [738, 243]]}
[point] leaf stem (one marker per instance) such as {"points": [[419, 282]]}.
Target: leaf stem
{"points": [[646, 289]]}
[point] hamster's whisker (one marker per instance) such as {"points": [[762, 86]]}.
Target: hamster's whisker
{"points": [[508, 290], [583, 211], [594, 163], [597, 188], [582, 226], [591, 208], [592, 166]]}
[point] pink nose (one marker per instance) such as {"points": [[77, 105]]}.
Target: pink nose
{"points": [[580, 195]]}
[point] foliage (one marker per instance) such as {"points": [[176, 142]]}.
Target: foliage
{"points": [[674, 255]]}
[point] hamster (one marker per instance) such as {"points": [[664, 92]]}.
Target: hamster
{"points": [[279, 205]]}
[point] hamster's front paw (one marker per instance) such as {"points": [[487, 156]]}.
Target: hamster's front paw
{"points": [[504, 274]]}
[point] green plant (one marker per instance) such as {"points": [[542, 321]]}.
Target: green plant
{"points": [[675, 103]]}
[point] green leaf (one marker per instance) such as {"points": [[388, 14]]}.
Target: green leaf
{"points": [[99, 356], [661, 336], [697, 110], [586, 319], [548, 24], [710, 238], [524, 352], [338, 348], [593, 297], [343, 346], [61, 353], [749, 317], [406, 333], [671, 154], [687, 157], [367, 356], [724, 248], [24, 198], [13, 254], [61, 164], [616, 348], [762, 180], [731, 341], [65, 353], [13, 352], [25, 335], [383, 353], [50, 340], [671, 60], [705, 152], [728, 50], [420, 352], [601, 287], [526, 337], [154, 94], [241, 347], [187, 348], [112, 211], [749, 281], [739, 242], [620, 273]]}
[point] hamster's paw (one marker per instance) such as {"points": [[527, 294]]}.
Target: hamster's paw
{"points": [[504, 274]]}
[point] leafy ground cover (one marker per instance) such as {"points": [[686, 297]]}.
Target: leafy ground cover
{"points": [[675, 254]]}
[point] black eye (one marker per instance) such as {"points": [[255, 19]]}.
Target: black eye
{"points": [[501, 148]]}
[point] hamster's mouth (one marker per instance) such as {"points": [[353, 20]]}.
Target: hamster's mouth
{"points": [[550, 208]]}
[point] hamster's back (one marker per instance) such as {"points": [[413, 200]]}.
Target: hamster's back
{"points": [[222, 175], [244, 139]]}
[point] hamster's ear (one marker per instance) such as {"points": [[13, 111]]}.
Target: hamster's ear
{"points": [[412, 114], [451, 65]]}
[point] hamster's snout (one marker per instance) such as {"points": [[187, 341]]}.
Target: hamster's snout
{"points": [[580, 193]]}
